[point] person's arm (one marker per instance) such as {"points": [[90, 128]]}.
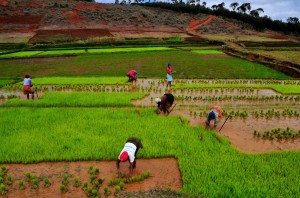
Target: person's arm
{"points": [[118, 167]]}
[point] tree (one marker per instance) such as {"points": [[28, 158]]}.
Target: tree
{"points": [[204, 4], [293, 20], [244, 8], [214, 7], [221, 6], [234, 5]]}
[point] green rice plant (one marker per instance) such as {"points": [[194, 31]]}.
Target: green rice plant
{"points": [[76, 182], [3, 189], [85, 186], [96, 185], [28, 176], [93, 178], [9, 180], [90, 192], [3, 169], [55, 99], [117, 190], [1, 180], [21, 185], [207, 52], [91, 170], [65, 179], [97, 171], [101, 180], [95, 193], [35, 183], [106, 191], [47, 183], [63, 188], [122, 185]]}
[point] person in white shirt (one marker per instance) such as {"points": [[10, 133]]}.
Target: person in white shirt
{"points": [[27, 86], [129, 152]]}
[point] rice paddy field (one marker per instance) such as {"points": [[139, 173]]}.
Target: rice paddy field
{"points": [[86, 109]]}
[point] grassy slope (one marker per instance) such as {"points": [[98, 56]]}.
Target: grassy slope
{"points": [[148, 64], [208, 167]]}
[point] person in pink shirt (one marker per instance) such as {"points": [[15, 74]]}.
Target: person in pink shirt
{"points": [[169, 76], [132, 76]]}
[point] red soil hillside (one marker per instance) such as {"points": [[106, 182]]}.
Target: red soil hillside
{"points": [[32, 20]]}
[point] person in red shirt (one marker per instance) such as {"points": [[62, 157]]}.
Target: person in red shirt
{"points": [[132, 76], [169, 76]]}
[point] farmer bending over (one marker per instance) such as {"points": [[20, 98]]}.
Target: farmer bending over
{"points": [[164, 103], [129, 152], [27, 86], [214, 114], [132, 76]]}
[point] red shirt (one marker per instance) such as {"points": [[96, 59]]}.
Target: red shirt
{"points": [[131, 73], [169, 70]]}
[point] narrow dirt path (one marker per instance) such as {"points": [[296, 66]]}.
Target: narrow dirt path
{"points": [[195, 24]]}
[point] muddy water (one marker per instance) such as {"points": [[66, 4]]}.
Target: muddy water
{"points": [[239, 131], [164, 174]]}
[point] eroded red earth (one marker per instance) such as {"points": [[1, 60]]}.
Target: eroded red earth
{"points": [[164, 175]]}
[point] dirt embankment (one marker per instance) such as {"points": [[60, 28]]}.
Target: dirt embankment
{"points": [[164, 174]]}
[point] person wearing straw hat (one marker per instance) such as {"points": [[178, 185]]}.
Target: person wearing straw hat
{"points": [[214, 114], [27, 86], [128, 153], [164, 103]]}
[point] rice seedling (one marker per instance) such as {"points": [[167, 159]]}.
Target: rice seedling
{"points": [[117, 190], [65, 179], [63, 188], [3, 189], [76, 182], [35, 183], [21, 184], [47, 183], [9, 180], [85, 186], [28, 176], [106, 191]]}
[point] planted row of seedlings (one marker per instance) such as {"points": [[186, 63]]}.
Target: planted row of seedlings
{"points": [[239, 81], [91, 188], [257, 114], [238, 97], [278, 134], [272, 113], [9, 96]]}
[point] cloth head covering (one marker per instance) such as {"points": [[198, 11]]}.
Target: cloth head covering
{"points": [[124, 156]]}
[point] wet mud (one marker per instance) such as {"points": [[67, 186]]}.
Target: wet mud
{"points": [[164, 174]]}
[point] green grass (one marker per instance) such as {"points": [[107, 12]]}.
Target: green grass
{"points": [[61, 52], [80, 81], [60, 99], [136, 49], [148, 64], [20, 54], [3, 81], [207, 52], [208, 167]]}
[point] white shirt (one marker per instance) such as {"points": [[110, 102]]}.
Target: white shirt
{"points": [[130, 149], [27, 81]]}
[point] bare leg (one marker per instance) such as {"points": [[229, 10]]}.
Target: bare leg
{"points": [[27, 96]]}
